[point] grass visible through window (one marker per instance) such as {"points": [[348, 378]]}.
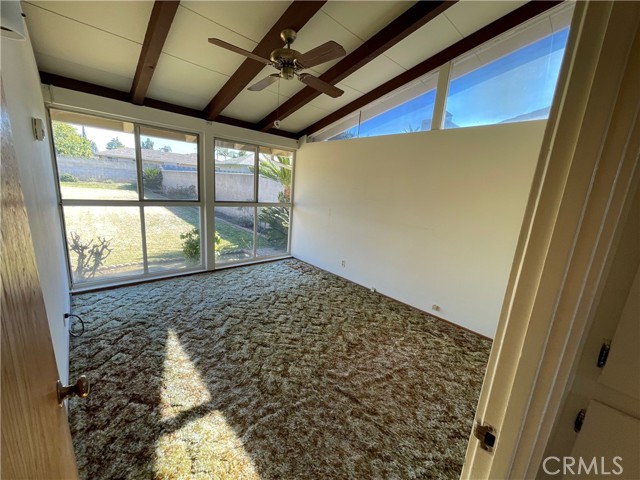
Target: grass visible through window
{"points": [[165, 235]]}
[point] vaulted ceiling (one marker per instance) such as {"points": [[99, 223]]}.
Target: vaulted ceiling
{"points": [[157, 53]]}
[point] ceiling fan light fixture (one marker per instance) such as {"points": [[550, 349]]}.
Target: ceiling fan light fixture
{"points": [[287, 73]]}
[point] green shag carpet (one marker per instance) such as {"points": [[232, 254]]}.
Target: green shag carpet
{"points": [[271, 371]]}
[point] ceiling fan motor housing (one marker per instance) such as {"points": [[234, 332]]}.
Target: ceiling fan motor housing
{"points": [[285, 60]]}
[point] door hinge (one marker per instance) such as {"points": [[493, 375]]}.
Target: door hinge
{"points": [[577, 423], [486, 434], [604, 353]]}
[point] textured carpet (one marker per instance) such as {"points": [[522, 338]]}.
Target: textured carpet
{"points": [[272, 371]]}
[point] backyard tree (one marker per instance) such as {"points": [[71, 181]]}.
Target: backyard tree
{"points": [[166, 149], [114, 143], [69, 142], [147, 144]]}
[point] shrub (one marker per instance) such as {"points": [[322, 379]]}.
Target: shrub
{"points": [[191, 245], [182, 193], [277, 223], [152, 178], [67, 177]]}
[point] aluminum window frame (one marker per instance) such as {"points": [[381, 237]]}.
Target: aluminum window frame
{"points": [[445, 78], [254, 204], [141, 203]]}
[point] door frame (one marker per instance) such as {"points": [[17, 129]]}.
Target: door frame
{"points": [[580, 196]]}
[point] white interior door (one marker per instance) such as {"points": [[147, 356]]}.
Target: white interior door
{"points": [[622, 370], [586, 176], [608, 445]]}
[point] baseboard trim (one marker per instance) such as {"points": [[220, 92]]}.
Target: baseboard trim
{"points": [[400, 302]]}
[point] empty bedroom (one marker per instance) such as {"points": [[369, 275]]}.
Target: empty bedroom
{"points": [[266, 239]]}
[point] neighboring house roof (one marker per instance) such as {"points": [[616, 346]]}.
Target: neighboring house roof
{"points": [[156, 156], [245, 160]]}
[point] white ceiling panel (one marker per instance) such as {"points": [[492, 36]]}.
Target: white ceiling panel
{"points": [[76, 43], [183, 83], [325, 102], [252, 106], [302, 119], [374, 73], [78, 71], [248, 18], [362, 20], [320, 29], [468, 16], [125, 19], [188, 39], [432, 38]]}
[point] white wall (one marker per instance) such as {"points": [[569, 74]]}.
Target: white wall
{"points": [[21, 85], [426, 218]]}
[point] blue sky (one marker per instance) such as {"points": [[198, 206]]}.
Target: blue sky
{"points": [[102, 136], [518, 83]]}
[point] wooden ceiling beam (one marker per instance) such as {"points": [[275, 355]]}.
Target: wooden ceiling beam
{"points": [[295, 17], [503, 24], [411, 20], [93, 89], [158, 28]]}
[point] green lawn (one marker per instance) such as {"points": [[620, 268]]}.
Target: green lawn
{"points": [[121, 226]]}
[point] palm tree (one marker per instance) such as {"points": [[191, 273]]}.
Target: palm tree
{"points": [[279, 170], [277, 218]]}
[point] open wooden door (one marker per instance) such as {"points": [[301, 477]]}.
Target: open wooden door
{"points": [[36, 442]]}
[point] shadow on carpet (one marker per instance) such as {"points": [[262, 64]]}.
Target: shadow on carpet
{"points": [[271, 371]]}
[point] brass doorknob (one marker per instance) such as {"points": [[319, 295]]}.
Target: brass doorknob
{"points": [[80, 389]]}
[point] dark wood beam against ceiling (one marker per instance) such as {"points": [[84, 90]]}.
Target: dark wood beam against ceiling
{"points": [[411, 20], [503, 24], [93, 89], [295, 17], [160, 22]]}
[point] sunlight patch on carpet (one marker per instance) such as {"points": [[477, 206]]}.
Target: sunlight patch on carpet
{"points": [[200, 441], [182, 386], [206, 447]]}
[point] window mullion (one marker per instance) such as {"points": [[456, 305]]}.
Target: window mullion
{"points": [[143, 234], [143, 230], [255, 232], [437, 121], [256, 182], [136, 133]]}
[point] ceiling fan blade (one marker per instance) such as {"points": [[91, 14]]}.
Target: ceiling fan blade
{"points": [[241, 51], [264, 83], [320, 85], [325, 52]]}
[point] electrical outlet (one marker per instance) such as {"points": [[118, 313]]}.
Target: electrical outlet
{"points": [[343, 263]]}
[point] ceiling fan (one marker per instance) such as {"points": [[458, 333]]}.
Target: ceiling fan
{"points": [[290, 62]]}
